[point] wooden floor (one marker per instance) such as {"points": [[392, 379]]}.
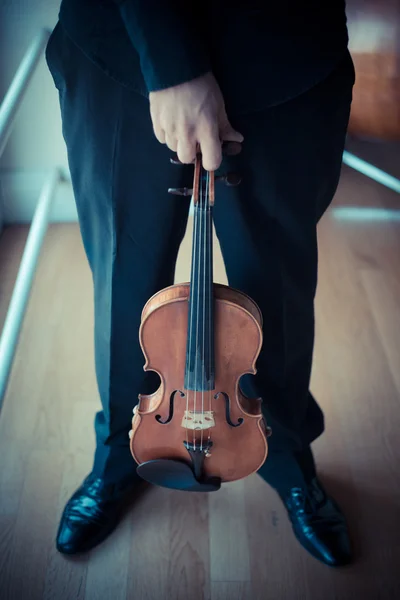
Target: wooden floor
{"points": [[236, 543]]}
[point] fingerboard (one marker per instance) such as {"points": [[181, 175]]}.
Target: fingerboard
{"points": [[200, 369]]}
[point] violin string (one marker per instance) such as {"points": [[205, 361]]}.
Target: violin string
{"points": [[198, 265], [201, 302], [204, 303], [191, 306], [209, 234], [210, 299], [198, 258], [192, 341]]}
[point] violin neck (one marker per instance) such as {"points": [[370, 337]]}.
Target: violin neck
{"points": [[200, 370]]}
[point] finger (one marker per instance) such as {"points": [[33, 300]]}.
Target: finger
{"points": [[157, 127], [159, 133], [186, 150], [227, 132], [171, 141], [211, 150]]}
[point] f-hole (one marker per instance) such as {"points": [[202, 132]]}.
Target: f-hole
{"points": [[227, 410], [171, 408]]}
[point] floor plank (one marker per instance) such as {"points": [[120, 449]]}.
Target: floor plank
{"points": [[230, 590], [228, 536]]}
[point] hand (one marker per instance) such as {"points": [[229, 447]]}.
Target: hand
{"points": [[190, 113]]}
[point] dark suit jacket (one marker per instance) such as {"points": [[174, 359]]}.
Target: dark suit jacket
{"points": [[262, 52]]}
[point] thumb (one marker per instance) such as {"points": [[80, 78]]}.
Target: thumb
{"points": [[227, 132]]}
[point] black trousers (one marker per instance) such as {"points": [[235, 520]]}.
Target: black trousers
{"points": [[267, 228]]}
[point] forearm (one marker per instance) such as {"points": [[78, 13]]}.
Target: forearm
{"points": [[168, 40]]}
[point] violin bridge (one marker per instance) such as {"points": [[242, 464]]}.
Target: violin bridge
{"points": [[198, 420]]}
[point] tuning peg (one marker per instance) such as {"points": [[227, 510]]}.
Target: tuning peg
{"points": [[230, 179], [175, 160], [231, 148], [181, 191]]}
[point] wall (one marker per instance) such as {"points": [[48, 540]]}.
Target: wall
{"points": [[36, 144]]}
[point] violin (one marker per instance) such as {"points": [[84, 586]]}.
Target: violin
{"points": [[198, 429]]}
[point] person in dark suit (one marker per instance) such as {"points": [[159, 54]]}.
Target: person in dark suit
{"points": [[140, 80]]}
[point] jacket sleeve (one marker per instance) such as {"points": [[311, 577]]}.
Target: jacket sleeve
{"points": [[168, 40]]}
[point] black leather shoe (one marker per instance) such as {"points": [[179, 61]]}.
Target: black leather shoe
{"points": [[92, 513], [318, 524]]}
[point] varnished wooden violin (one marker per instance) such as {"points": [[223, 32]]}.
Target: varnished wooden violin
{"points": [[198, 429]]}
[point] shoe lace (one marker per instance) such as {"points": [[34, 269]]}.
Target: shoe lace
{"points": [[306, 503], [88, 502], [302, 501]]}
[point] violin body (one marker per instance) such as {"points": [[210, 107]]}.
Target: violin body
{"points": [[232, 421], [198, 429]]}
